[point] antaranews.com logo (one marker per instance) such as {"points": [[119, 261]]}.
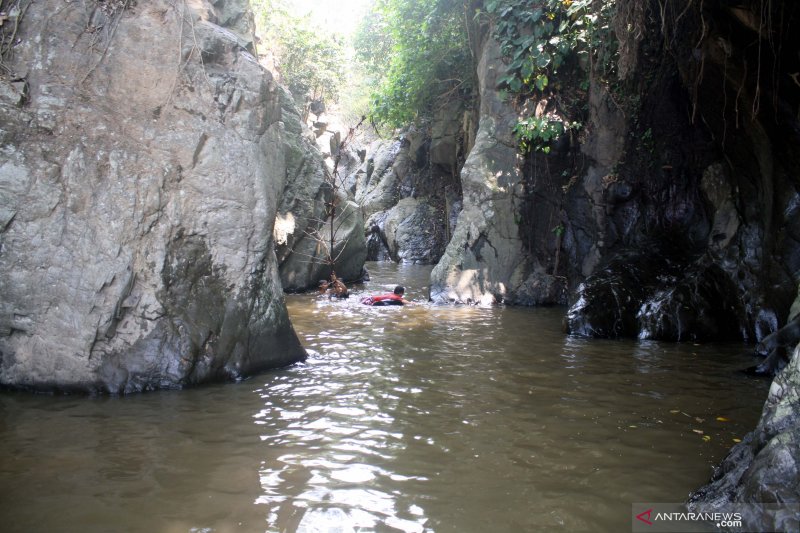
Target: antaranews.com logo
{"points": [[675, 518]]}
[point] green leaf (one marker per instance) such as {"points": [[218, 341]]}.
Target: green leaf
{"points": [[505, 80], [527, 69], [543, 60]]}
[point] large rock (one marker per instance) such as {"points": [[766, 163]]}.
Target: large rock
{"points": [[302, 232], [485, 261], [764, 468], [661, 294], [140, 177], [377, 182], [410, 232], [405, 199]]}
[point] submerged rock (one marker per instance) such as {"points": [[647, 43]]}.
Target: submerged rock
{"points": [[139, 188]]}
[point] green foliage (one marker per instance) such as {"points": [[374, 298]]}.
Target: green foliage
{"points": [[310, 60], [417, 54], [536, 133], [539, 37]]}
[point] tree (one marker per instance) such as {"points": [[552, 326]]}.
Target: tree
{"points": [[309, 60], [418, 54]]}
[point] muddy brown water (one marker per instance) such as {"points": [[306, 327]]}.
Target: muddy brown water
{"points": [[415, 418]]}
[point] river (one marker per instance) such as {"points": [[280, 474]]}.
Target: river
{"points": [[416, 418]]}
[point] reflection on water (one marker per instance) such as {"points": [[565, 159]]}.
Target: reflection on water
{"points": [[417, 418]]}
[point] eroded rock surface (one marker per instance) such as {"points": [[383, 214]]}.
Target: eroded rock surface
{"points": [[140, 174], [485, 261]]}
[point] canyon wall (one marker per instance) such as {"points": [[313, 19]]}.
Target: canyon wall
{"points": [[141, 167]]}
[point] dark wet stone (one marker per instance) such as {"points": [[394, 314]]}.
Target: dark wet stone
{"points": [[655, 296]]}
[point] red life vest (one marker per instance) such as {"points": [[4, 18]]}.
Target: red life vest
{"points": [[383, 299]]}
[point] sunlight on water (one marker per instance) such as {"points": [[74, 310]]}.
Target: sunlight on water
{"points": [[403, 419], [466, 419]]}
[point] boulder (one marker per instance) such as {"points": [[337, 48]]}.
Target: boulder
{"points": [[662, 295], [139, 188], [410, 232]]}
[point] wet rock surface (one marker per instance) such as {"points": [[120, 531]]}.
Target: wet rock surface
{"points": [[139, 188], [680, 235], [657, 296]]}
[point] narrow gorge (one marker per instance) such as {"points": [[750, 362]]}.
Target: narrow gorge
{"points": [[631, 166]]}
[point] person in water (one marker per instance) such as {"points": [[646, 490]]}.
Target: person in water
{"points": [[334, 288], [395, 298]]}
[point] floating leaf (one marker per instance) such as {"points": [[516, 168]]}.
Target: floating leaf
{"points": [[737, 440], [723, 419], [698, 431], [674, 411], [706, 438]]}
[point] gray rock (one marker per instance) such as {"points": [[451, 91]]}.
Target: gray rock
{"points": [[139, 189], [410, 232], [301, 229], [377, 181], [485, 261], [309, 261], [406, 200]]}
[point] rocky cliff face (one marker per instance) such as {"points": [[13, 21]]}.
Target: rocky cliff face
{"points": [[676, 206], [486, 261], [141, 166], [671, 214], [689, 230], [302, 229]]}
